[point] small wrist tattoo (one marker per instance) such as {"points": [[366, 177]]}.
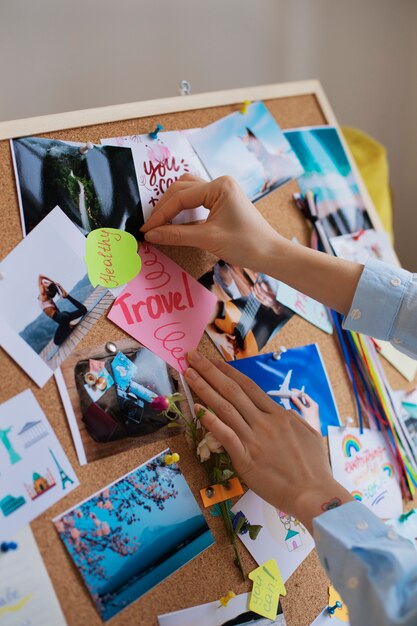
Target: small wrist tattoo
{"points": [[331, 504]]}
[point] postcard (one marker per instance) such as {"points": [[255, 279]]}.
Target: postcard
{"points": [[306, 307], [164, 308], [34, 470], [247, 314], [160, 162], [27, 597], [297, 373], [365, 466], [360, 246], [48, 302], [406, 409], [328, 174], [108, 398], [134, 533], [250, 147], [213, 614], [405, 526], [94, 185], [282, 536]]}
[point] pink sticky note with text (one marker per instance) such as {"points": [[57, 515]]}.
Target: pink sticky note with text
{"points": [[164, 308]]}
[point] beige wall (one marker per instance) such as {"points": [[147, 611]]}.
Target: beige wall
{"points": [[60, 55]]}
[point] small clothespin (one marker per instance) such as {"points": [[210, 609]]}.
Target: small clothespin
{"points": [[405, 516], [348, 423], [245, 107], [332, 609], [88, 146], [224, 600], [172, 458], [1, 275], [185, 88], [6, 546], [154, 133], [358, 235]]}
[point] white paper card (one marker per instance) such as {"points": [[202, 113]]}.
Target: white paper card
{"points": [[34, 470], [27, 597], [282, 537], [213, 614], [160, 162], [364, 465]]}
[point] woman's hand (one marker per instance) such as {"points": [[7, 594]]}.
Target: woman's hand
{"points": [[235, 231], [274, 451], [308, 408]]}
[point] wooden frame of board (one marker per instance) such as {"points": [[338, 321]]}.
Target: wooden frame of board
{"points": [[212, 574], [89, 117]]}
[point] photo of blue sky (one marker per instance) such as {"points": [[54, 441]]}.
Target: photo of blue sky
{"points": [[133, 534], [250, 147], [307, 371]]}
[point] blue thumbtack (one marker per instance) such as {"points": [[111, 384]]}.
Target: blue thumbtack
{"points": [[5, 546], [154, 133], [332, 609]]}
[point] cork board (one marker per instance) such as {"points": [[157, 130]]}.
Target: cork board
{"points": [[210, 575]]}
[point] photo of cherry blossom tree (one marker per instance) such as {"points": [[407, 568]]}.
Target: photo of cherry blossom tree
{"points": [[128, 537]]}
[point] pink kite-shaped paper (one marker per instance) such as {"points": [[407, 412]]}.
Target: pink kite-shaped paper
{"points": [[164, 308]]}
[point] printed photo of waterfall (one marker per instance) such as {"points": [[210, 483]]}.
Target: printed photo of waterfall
{"points": [[133, 534], [94, 187]]}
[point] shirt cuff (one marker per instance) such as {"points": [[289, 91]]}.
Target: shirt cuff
{"points": [[377, 300]]}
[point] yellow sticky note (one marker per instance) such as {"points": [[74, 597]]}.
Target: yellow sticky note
{"points": [[267, 588], [342, 612], [111, 257]]}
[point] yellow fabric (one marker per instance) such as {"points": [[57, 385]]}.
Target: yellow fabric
{"points": [[371, 159]]}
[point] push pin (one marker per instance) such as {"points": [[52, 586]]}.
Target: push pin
{"points": [[358, 235], [5, 546], [332, 609], [278, 353], [111, 347], [88, 146], [185, 88], [349, 422], [154, 133], [172, 458], [245, 107], [209, 492], [224, 601]]}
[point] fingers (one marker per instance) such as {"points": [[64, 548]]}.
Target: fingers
{"points": [[179, 197], [223, 433], [221, 394], [297, 402], [195, 235], [255, 393]]}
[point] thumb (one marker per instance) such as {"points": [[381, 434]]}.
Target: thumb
{"points": [[178, 235]]}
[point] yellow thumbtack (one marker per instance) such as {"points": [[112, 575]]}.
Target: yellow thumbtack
{"points": [[245, 107], [172, 458], [224, 601]]}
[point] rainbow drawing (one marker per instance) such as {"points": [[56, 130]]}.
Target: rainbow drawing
{"points": [[350, 445], [357, 495], [388, 468]]}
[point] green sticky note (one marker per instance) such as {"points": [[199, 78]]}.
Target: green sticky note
{"points": [[112, 257], [268, 586]]}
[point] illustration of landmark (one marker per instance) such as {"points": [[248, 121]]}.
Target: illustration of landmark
{"points": [[64, 477], [40, 484], [14, 457], [32, 432]]}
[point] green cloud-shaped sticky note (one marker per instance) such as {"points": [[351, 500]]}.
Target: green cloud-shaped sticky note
{"points": [[112, 257]]}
